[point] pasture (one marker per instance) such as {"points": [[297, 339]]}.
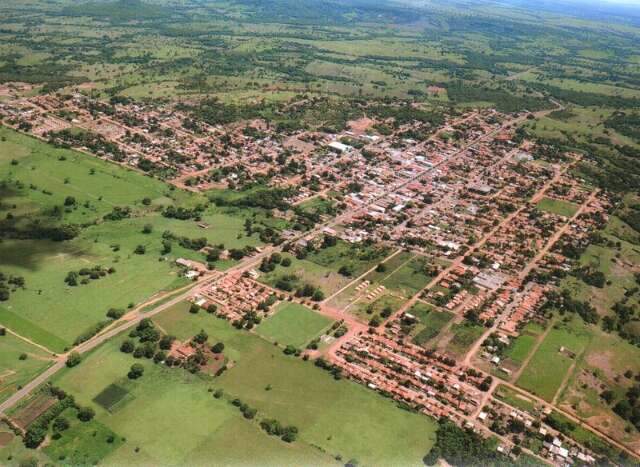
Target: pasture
{"points": [[170, 415], [42, 177]]}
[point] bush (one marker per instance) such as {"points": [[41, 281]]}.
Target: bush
{"points": [[136, 371], [86, 414], [74, 359]]}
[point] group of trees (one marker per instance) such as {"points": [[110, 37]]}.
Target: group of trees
{"points": [[275, 428], [8, 284], [38, 429], [462, 447], [86, 275]]}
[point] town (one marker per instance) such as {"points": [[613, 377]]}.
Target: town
{"points": [[482, 221]]}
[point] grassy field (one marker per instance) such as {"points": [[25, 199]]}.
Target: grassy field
{"points": [[14, 371], [367, 309], [464, 335], [548, 368], [409, 279], [606, 359], [47, 310], [514, 399], [520, 348], [556, 206], [431, 322], [293, 324], [171, 416], [325, 278]]}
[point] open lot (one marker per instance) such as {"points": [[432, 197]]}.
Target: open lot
{"points": [[430, 322]]}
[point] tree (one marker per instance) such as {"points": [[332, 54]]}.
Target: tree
{"points": [[85, 414], [166, 342], [318, 296], [201, 337], [73, 359], [217, 348], [127, 346], [115, 313], [381, 267], [136, 371], [60, 424], [212, 308], [140, 250], [147, 229], [69, 201], [194, 308]]}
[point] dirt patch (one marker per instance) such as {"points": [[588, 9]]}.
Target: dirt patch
{"points": [[361, 125], [5, 438], [601, 361], [27, 415]]}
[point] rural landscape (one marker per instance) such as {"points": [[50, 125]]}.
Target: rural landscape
{"points": [[319, 232]]}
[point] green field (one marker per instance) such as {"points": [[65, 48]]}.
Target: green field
{"points": [[49, 311], [409, 279], [152, 417], [431, 322], [170, 418], [514, 399], [548, 368], [521, 346], [464, 335], [15, 372], [556, 206], [293, 324], [327, 279]]}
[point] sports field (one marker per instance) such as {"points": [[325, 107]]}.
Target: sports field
{"points": [[293, 324], [556, 206]]}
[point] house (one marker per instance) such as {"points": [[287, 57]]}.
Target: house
{"points": [[340, 148]]}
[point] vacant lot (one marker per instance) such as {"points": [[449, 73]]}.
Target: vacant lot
{"points": [[464, 335], [519, 349], [431, 322], [293, 324]]}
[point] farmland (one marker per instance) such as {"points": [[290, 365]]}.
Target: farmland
{"points": [[258, 365], [19, 363], [96, 187]]}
